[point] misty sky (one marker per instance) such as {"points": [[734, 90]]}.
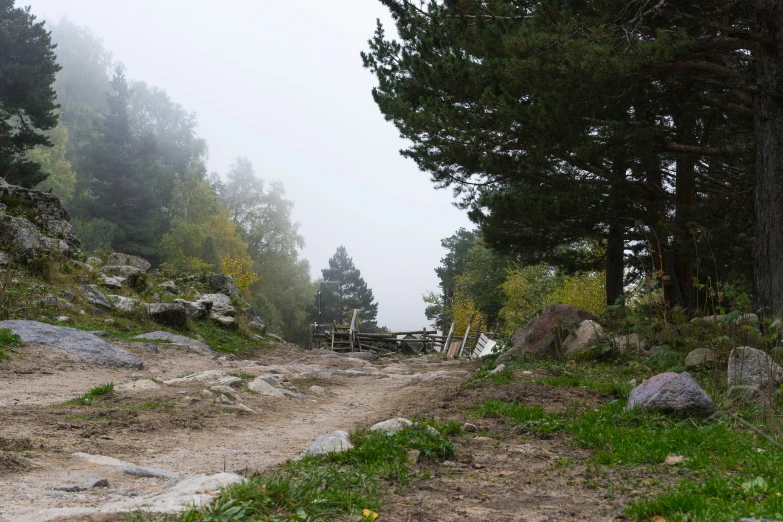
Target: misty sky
{"points": [[281, 82]]}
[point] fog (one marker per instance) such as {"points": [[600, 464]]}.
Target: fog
{"points": [[281, 82]]}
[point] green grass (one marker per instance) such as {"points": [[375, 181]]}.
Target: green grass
{"points": [[336, 486], [149, 405], [89, 397], [727, 476], [243, 375], [8, 340], [226, 341]]}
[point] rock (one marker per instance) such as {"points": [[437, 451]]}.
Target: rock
{"points": [[259, 385], [4, 259], [105, 335], [68, 296], [137, 281], [367, 356], [218, 305], [92, 295], [257, 326], [195, 310], [34, 224], [275, 337], [413, 457], [206, 394], [583, 338], [674, 393], [137, 386], [170, 314], [227, 390], [124, 304], [295, 395], [673, 460], [397, 424], [217, 376], [138, 471], [226, 322], [196, 346], [700, 357], [87, 346], [119, 270], [750, 366], [47, 371], [225, 400], [316, 390], [470, 428], [224, 284], [70, 488], [335, 442], [63, 319], [629, 343], [540, 335], [94, 261], [82, 482], [241, 407], [498, 369], [742, 319], [119, 259], [110, 282], [170, 287]]}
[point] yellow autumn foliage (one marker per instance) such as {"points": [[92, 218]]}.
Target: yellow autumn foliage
{"points": [[235, 268]]}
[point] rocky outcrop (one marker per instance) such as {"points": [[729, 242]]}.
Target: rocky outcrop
{"points": [[34, 224], [542, 335], [195, 310], [673, 393], [118, 258], [124, 304], [224, 284], [170, 314], [119, 270], [196, 346], [92, 295], [87, 346]]}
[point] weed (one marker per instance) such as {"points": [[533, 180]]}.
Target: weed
{"points": [[243, 375], [532, 418], [8, 340], [90, 396], [149, 405]]}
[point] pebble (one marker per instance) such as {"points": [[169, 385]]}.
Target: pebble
{"points": [[472, 428], [139, 471]]}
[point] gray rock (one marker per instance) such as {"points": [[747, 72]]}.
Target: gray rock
{"points": [[227, 390], [295, 395], [170, 287], [92, 295], [4, 259], [583, 337], [700, 357], [262, 387], [83, 266], [275, 337], [68, 296], [94, 261], [195, 345], [469, 427], [124, 304], [139, 471], [223, 284], [152, 348], [629, 343], [317, 390], [257, 326], [70, 488], [674, 393], [63, 319], [206, 394], [498, 369], [226, 322], [218, 305], [335, 442], [170, 314], [105, 335], [750, 366], [119, 270], [393, 425], [195, 310], [84, 482], [129, 260], [84, 344], [35, 224], [110, 282]]}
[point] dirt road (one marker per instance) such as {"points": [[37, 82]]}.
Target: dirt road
{"points": [[176, 427]]}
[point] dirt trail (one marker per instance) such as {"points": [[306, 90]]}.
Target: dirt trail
{"points": [[172, 427]]}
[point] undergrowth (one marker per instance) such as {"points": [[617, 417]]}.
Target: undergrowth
{"points": [[89, 397], [8, 341]]}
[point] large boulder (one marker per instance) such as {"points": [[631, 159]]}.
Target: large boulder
{"points": [[540, 336], [92, 295], [34, 224], [170, 314], [126, 259], [87, 346], [124, 304], [218, 304], [753, 367], [673, 393], [196, 346], [583, 338], [119, 270], [224, 284], [195, 310]]}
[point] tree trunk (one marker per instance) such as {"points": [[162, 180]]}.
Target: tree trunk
{"points": [[615, 248], [683, 255], [768, 116]]}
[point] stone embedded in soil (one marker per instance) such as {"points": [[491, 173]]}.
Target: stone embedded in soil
{"points": [[335, 442], [83, 482], [196, 346], [583, 338], [87, 346], [393, 425], [316, 390], [124, 304], [700, 357], [139, 471], [217, 376], [121, 259], [170, 314], [137, 386], [92, 295], [669, 392], [750, 366], [498, 369], [262, 387]]}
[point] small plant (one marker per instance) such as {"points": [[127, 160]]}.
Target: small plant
{"points": [[90, 396], [8, 339]]}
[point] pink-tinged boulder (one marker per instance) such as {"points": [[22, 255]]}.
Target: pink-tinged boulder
{"points": [[543, 335], [674, 393]]}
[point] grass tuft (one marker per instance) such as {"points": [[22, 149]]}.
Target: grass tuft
{"points": [[90, 396]]}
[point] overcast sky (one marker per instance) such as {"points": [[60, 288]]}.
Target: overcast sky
{"points": [[281, 82]]}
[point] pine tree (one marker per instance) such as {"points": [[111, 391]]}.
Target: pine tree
{"points": [[27, 99], [343, 290]]}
